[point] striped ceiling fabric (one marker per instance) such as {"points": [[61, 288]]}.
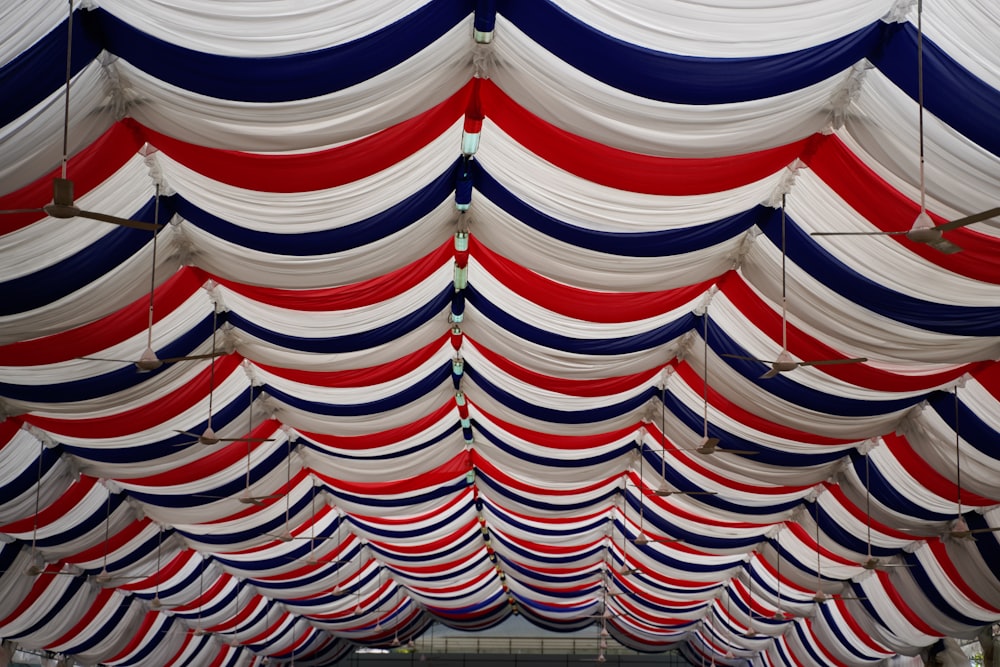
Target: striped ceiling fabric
{"points": [[474, 308]]}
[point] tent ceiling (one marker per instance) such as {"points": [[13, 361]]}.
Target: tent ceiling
{"points": [[475, 304]]}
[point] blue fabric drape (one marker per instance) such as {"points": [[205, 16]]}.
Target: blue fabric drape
{"points": [[556, 459], [350, 342], [959, 98], [789, 390], [940, 317], [40, 70], [89, 265], [600, 346], [394, 219], [685, 79], [118, 380], [662, 243], [279, 78], [552, 415]]}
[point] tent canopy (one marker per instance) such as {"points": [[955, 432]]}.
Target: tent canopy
{"points": [[470, 309]]}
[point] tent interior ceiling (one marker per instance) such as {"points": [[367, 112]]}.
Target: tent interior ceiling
{"points": [[464, 307]]}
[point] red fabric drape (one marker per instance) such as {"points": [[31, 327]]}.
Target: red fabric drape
{"points": [[624, 170], [356, 295], [805, 347], [582, 304], [719, 403], [145, 417], [72, 497], [91, 338], [317, 170], [889, 210], [559, 441], [364, 377], [928, 476], [87, 169], [383, 438]]}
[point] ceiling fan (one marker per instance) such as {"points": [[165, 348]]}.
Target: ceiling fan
{"points": [[34, 569], [247, 498], [208, 436], [312, 537], [63, 206], [626, 569], [642, 538], [602, 633], [38, 567], [286, 535], [645, 539], [923, 229], [665, 492], [821, 596], [784, 361], [959, 528], [148, 360], [705, 632], [779, 613], [870, 562], [155, 603], [105, 577], [707, 445], [198, 630], [750, 632]]}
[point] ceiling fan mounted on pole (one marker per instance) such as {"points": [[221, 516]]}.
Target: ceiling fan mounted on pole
{"points": [[63, 205], [923, 229], [784, 361]]}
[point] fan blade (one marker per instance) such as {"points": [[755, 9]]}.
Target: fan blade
{"points": [[245, 499], [119, 361], [746, 358], [706, 449], [152, 363], [193, 357], [246, 439], [833, 362], [945, 246], [306, 538], [770, 374], [16, 211], [122, 222], [642, 539], [876, 564], [969, 219], [257, 500], [976, 531], [215, 441], [211, 439], [34, 570], [669, 492], [880, 233], [708, 445], [107, 577]]}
